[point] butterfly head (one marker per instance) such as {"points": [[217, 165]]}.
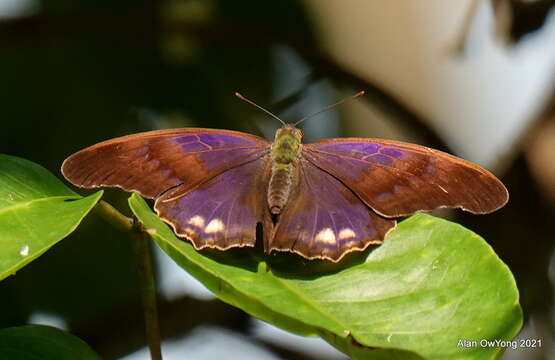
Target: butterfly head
{"points": [[289, 131], [287, 143]]}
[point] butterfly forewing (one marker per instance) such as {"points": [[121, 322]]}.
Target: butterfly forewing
{"points": [[151, 163], [398, 179], [324, 219]]}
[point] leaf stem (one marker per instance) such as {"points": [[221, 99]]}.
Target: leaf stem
{"points": [[145, 269], [141, 245]]}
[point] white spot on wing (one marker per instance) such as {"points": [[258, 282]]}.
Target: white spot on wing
{"points": [[442, 189], [326, 236], [197, 221], [24, 250], [346, 234], [214, 226]]}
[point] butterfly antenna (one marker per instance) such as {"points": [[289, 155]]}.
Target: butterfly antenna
{"points": [[360, 93], [259, 107]]}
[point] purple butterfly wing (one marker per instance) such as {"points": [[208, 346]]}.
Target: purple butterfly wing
{"points": [[222, 212], [324, 219], [151, 163], [398, 179]]}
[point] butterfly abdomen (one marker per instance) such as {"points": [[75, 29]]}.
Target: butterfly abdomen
{"points": [[285, 153], [279, 187]]}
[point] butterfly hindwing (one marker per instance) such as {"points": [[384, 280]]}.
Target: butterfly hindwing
{"points": [[398, 179], [221, 213], [324, 219], [151, 163]]}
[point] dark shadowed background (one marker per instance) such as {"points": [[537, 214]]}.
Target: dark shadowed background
{"points": [[475, 79]]}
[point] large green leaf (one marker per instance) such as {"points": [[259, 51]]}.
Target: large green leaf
{"points": [[431, 284], [36, 211], [42, 342]]}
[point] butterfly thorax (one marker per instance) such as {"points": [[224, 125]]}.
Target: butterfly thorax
{"points": [[285, 153]]}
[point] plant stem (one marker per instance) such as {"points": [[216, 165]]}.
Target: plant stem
{"points": [[113, 216], [145, 269], [141, 245]]}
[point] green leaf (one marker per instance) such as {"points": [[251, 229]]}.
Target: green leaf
{"points": [[36, 211], [42, 342], [431, 284]]}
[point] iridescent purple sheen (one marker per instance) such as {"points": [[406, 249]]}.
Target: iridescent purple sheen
{"points": [[208, 141], [371, 148], [222, 211], [329, 207], [194, 147], [361, 154], [211, 140], [379, 158], [359, 149], [219, 140], [391, 152], [221, 158], [186, 139], [214, 200], [356, 149], [350, 169]]}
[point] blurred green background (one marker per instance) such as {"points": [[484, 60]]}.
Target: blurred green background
{"points": [[73, 73]]}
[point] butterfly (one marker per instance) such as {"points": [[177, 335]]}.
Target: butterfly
{"points": [[321, 200]]}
